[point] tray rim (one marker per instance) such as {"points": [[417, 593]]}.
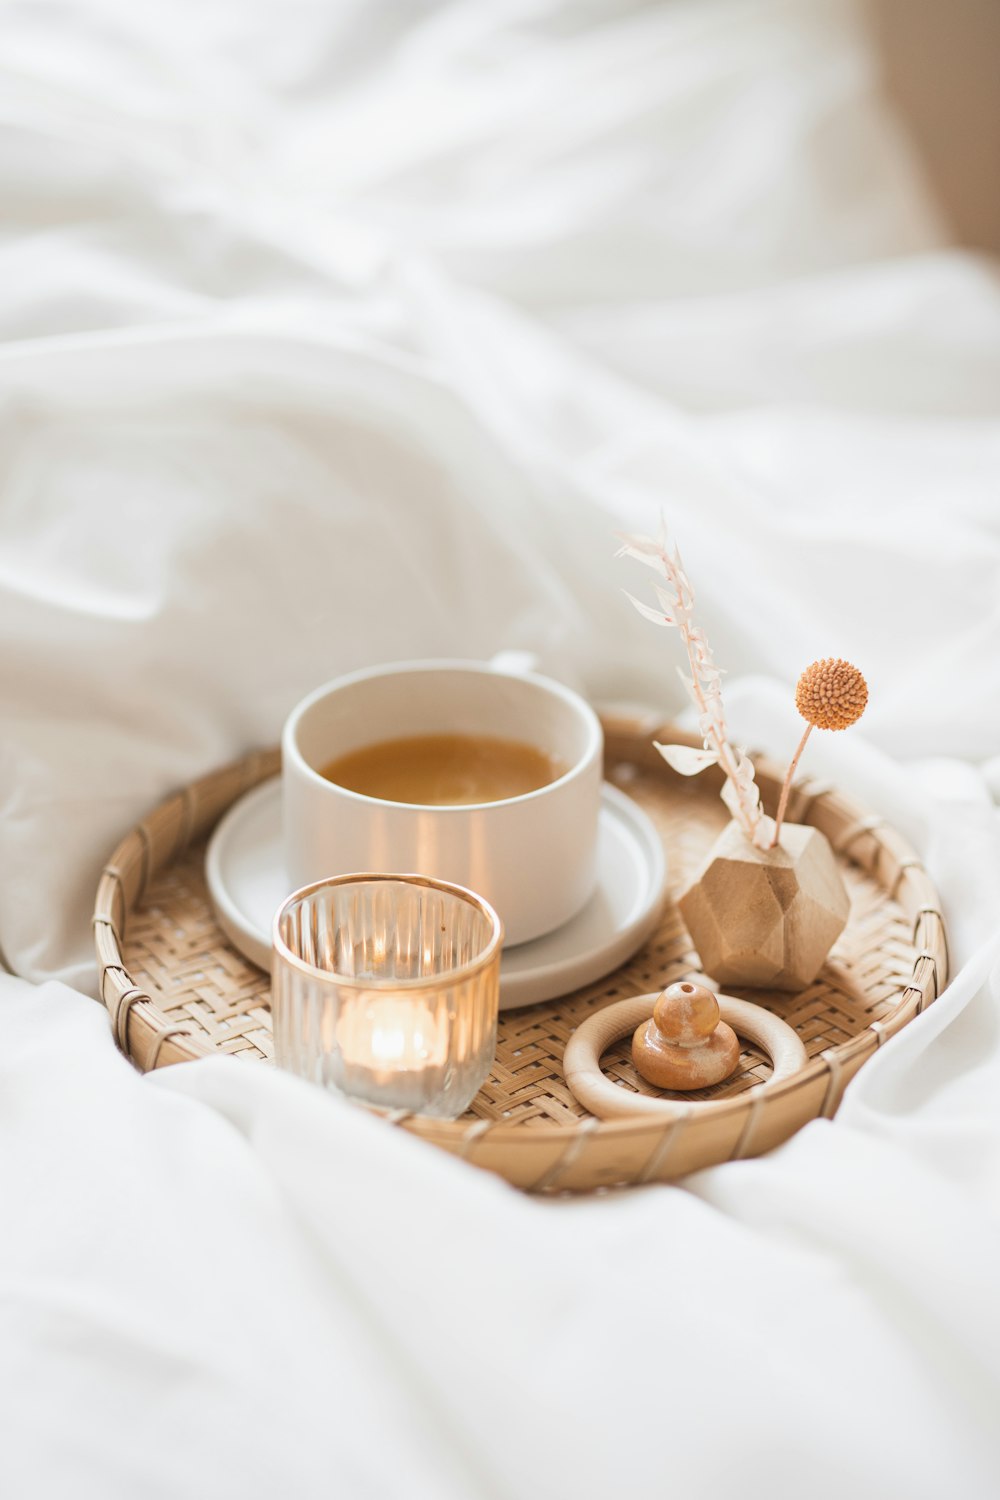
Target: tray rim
{"points": [[593, 1153]]}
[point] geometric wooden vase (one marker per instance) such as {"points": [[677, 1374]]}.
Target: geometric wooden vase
{"points": [[766, 918]]}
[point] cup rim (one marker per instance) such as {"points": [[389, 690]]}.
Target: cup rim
{"points": [[421, 981], [575, 700]]}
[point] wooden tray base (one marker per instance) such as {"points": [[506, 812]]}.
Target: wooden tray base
{"points": [[176, 990]]}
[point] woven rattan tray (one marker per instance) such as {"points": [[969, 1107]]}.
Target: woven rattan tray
{"points": [[176, 990]]}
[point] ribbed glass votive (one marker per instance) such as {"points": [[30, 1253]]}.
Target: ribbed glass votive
{"points": [[386, 987]]}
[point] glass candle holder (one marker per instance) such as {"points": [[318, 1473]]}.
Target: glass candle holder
{"points": [[386, 987]]}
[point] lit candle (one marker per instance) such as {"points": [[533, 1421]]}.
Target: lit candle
{"points": [[385, 987], [391, 1046]]}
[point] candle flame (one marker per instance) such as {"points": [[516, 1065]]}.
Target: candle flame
{"points": [[392, 1032]]}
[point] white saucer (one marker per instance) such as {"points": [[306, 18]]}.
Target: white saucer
{"points": [[247, 884]]}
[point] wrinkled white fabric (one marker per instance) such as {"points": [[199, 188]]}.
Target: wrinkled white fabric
{"points": [[332, 335]]}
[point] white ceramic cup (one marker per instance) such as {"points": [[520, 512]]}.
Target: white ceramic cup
{"points": [[534, 857]]}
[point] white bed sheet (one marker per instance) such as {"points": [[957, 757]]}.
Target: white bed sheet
{"points": [[341, 334]]}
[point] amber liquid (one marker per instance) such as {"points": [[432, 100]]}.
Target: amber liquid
{"points": [[445, 770]]}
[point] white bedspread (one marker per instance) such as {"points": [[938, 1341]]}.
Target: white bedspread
{"points": [[335, 334]]}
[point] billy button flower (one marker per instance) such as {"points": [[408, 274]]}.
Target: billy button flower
{"points": [[831, 694]]}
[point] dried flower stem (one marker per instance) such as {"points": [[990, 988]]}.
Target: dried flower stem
{"points": [[714, 738], [704, 686], [787, 786]]}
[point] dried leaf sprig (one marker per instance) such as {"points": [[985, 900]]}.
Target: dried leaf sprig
{"points": [[831, 694], [675, 598]]}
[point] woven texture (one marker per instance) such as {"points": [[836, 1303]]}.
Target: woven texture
{"points": [[177, 990]]}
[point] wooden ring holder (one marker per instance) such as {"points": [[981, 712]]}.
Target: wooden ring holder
{"points": [[609, 1101]]}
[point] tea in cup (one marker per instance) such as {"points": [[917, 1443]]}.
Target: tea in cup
{"points": [[446, 770], [454, 770]]}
